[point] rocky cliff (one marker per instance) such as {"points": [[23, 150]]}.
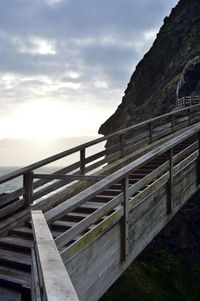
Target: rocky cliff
{"points": [[152, 87]]}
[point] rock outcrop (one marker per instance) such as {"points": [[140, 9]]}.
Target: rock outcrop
{"points": [[189, 83], [152, 87]]}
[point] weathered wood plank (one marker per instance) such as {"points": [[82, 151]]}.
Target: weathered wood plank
{"points": [[11, 208], [86, 222], [57, 286], [125, 220], [61, 155], [103, 241], [67, 177], [97, 188]]}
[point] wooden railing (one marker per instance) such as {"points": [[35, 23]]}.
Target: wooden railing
{"points": [[129, 198], [127, 140], [50, 280], [187, 101]]}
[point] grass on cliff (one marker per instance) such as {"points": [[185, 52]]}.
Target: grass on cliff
{"points": [[158, 276]]}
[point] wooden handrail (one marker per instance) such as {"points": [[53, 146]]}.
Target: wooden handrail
{"points": [[73, 150], [54, 280], [117, 176], [87, 168], [166, 171]]}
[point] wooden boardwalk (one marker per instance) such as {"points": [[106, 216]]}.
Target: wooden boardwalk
{"points": [[102, 210]]}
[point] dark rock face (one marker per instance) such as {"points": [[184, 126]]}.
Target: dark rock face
{"points": [[182, 234], [152, 87], [189, 83]]}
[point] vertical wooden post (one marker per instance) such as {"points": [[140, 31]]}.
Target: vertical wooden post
{"points": [[82, 161], [189, 116], [28, 188], [125, 228], [150, 133], [121, 139], [198, 160], [172, 123], [170, 183]]}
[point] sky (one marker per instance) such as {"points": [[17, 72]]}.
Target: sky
{"points": [[64, 67]]}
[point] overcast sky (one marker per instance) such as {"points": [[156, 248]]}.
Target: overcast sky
{"points": [[65, 65]]}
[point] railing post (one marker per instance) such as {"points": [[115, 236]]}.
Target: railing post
{"points": [[121, 139], [150, 133], [82, 161], [189, 116], [170, 183], [198, 160], [28, 188], [172, 123], [125, 230]]}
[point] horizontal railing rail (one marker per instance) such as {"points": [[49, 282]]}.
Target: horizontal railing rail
{"points": [[81, 147], [50, 280], [187, 101], [36, 186], [121, 176]]}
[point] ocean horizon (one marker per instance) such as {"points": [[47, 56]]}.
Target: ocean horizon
{"points": [[17, 183]]}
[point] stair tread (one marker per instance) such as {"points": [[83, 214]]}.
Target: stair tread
{"points": [[15, 256], [23, 230], [91, 205], [16, 241], [100, 196], [9, 295], [15, 276], [64, 223], [77, 214]]}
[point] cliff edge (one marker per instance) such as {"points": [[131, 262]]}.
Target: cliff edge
{"points": [[152, 87]]}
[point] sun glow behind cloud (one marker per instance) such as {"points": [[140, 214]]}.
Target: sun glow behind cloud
{"points": [[65, 64], [45, 120]]}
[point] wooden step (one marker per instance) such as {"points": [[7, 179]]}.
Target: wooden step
{"points": [[23, 232], [103, 198], [111, 192], [116, 186], [9, 295], [86, 208], [136, 176], [14, 277], [75, 216], [62, 225], [56, 233], [15, 259], [17, 244]]}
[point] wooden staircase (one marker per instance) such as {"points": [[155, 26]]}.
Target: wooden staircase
{"points": [[15, 246]]}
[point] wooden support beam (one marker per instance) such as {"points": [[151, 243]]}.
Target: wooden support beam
{"points": [[189, 116], [63, 154], [172, 123], [124, 222], [82, 161], [80, 198], [170, 183], [150, 133], [68, 177], [28, 188], [198, 160], [122, 145]]}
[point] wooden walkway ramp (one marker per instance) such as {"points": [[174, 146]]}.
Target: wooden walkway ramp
{"points": [[102, 210]]}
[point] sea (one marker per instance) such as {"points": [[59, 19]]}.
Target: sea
{"points": [[17, 183]]}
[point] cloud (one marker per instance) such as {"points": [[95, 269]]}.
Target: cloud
{"points": [[73, 52]]}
